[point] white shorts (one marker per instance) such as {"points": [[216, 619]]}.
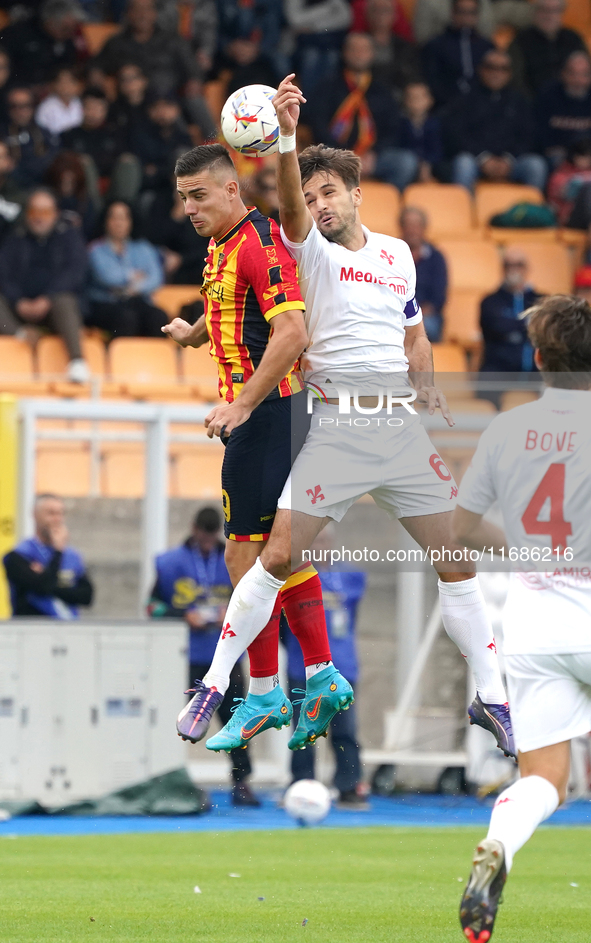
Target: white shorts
{"points": [[550, 698], [393, 460]]}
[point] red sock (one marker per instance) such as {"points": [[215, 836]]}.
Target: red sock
{"points": [[304, 611], [264, 651]]}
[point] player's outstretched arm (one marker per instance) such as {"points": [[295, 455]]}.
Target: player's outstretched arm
{"points": [[185, 334], [417, 348], [285, 346], [295, 216]]}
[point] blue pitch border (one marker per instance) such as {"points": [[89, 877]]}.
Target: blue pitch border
{"points": [[409, 810]]}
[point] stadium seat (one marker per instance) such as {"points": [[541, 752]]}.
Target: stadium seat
{"points": [[577, 15], [380, 208], [122, 472], [502, 236], [17, 369], [472, 264], [195, 470], [448, 208], [551, 270], [52, 364], [514, 398], [146, 368], [461, 320], [492, 198], [63, 468], [448, 358], [171, 298], [200, 371], [96, 35]]}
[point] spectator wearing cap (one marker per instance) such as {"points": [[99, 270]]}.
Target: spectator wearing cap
{"points": [[540, 51], [164, 56], [37, 47], [42, 275], [62, 109], [102, 147], [490, 132], [507, 348], [431, 291], [563, 109], [451, 60], [356, 112], [32, 148], [158, 143], [123, 273], [396, 61], [192, 583]]}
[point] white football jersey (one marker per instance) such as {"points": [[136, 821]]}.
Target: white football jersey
{"points": [[535, 461], [357, 304]]}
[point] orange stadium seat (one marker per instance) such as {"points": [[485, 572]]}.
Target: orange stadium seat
{"points": [[171, 298], [147, 368], [195, 470], [551, 270], [448, 358], [461, 321], [17, 369], [472, 264], [448, 208], [52, 364], [380, 207], [122, 473], [96, 35], [492, 198], [200, 372], [63, 468], [578, 15], [514, 398]]}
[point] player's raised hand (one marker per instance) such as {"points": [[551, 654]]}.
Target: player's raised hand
{"points": [[180, 331], [287, 103], [224, 418]]}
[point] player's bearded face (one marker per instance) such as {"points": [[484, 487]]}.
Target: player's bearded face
{"points": [[332, 206]]}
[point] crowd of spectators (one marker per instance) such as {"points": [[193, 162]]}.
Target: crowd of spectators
{"points": [[88, 142]]}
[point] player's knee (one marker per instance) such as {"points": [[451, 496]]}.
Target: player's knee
{"points": [[276, 559]]}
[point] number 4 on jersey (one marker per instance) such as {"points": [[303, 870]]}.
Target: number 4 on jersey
{"points": [[551, 487]]}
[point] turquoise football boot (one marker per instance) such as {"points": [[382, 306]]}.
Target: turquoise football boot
{"points": [[326, 694], [252, 715]]}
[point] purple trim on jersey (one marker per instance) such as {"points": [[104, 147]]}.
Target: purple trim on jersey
{"points": [[411, 308]]}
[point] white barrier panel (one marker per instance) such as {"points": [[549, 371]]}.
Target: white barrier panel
{"points": [[86, 708]]}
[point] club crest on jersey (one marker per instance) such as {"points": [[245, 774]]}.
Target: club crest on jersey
{"points": [[315, 494], [386, 255]]}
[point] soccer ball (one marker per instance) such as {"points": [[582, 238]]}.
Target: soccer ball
{"points": [[307, 801], [249, 121]]}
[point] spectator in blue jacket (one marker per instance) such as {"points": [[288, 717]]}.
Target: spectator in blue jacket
{"points": [[450, 61], [192, 583], [563, 109], [123, 273], [356, 112], [431, 269], [342, 592], [507, 348], [46, 576], [42, 275]]}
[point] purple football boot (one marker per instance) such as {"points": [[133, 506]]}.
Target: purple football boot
{"points": [[194, 719], [497, 719]]}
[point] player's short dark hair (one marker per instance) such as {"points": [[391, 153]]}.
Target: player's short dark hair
{"points": [[330, 160], [560, 328], [210, 157], [209, 520]]}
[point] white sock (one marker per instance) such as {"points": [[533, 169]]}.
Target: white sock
{"points": [[466, 621], [249, 610], [519, 810], [312, 670], [263, 685]]}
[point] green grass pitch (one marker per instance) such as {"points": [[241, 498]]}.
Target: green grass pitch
{"points": [[384, 885]]}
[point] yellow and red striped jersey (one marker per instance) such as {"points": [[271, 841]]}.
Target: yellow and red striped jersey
{"points": [[249, 277]]}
